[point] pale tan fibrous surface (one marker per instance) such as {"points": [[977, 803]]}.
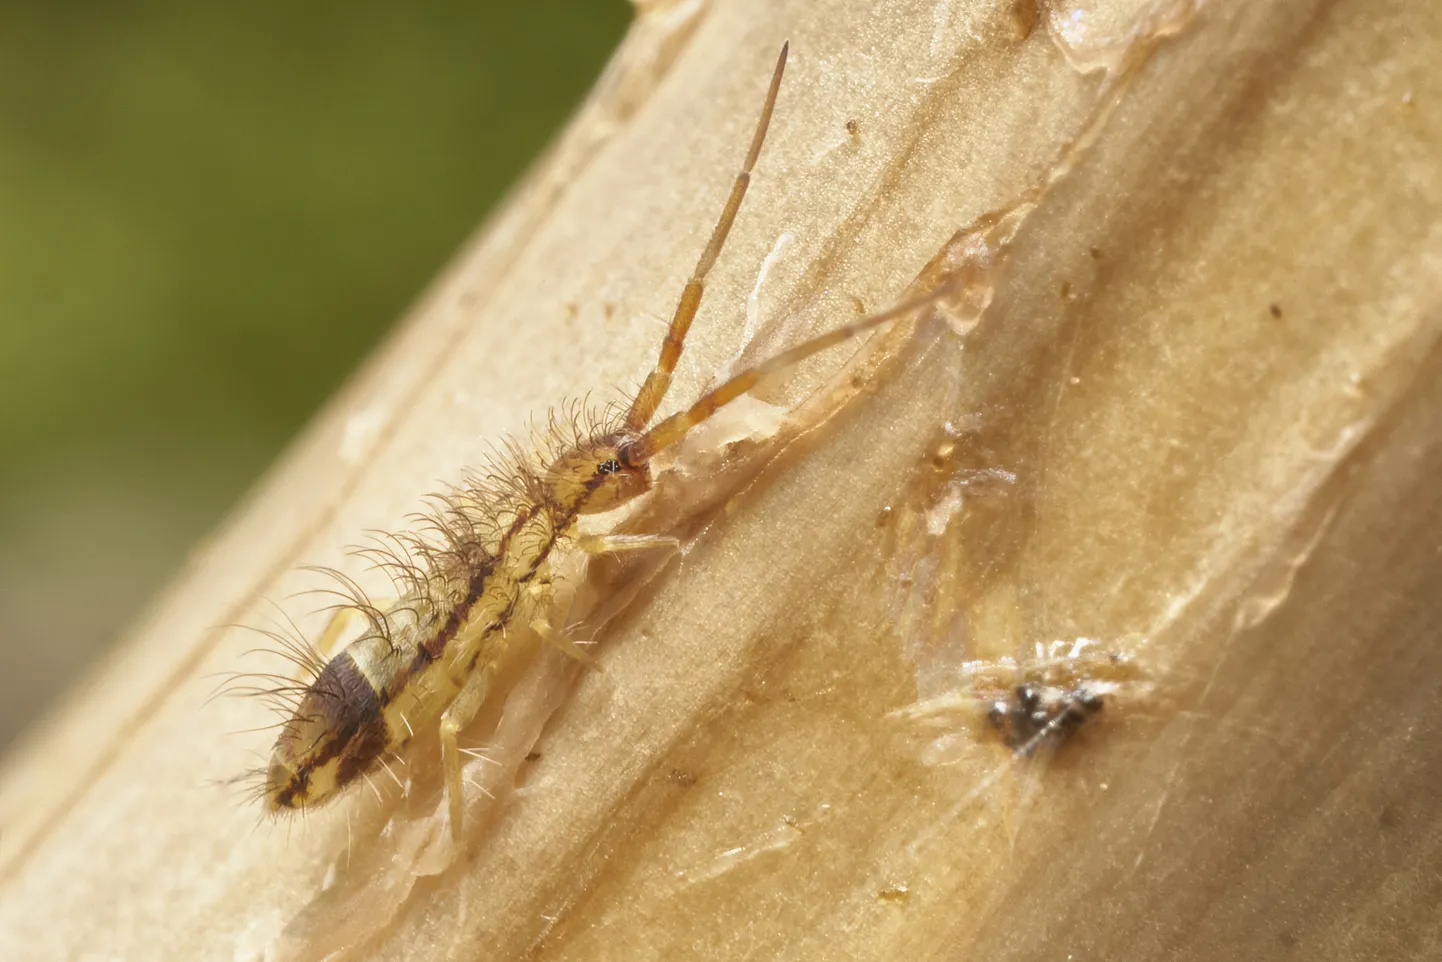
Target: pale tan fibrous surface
{"points": [[1189, 406]]}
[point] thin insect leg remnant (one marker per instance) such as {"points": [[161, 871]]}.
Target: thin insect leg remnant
{"points": [[479, 561]]}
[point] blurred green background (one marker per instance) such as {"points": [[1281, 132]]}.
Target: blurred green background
{"points": [[208, 214]]}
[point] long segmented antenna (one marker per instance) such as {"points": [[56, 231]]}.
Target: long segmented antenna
{"points": [[675, 427], [653, 391]]}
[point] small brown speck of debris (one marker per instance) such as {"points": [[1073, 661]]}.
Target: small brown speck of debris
{"points": [[1095, 252], [853, 128], [1025, 15], [1275, 310], [894, 893], [1066, 290], [533, 756]]}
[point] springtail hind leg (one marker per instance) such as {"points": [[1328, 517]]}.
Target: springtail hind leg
{"points": [[542, 626], [458, 715]]}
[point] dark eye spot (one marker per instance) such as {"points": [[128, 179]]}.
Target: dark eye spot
{"points": [[609, 467]]}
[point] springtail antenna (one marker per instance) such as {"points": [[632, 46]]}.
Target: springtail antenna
{"points": [[676, 427], [653, 390]]}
